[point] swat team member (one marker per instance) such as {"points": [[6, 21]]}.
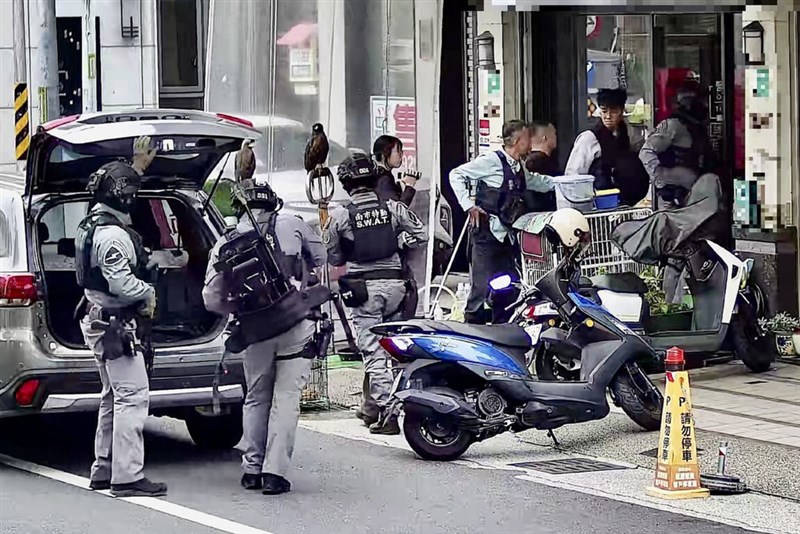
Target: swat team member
{"points": [[367, 235], [501, 181], [678, 151], [111, 266], [277, 369]]}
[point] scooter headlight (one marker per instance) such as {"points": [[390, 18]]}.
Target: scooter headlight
{"points": [[501, 282]]}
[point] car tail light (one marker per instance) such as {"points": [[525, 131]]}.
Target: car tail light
{"points": [[238, 120], [26, 392], [17, 289], [59, 122]]}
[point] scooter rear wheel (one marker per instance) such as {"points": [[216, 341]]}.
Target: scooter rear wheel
{"points": [[750, 346], [435, 437]]}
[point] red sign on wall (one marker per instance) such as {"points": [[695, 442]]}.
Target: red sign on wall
{"points": [[483, 127]]}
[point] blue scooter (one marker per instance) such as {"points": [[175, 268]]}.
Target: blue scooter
{"points": [[459, 383]]}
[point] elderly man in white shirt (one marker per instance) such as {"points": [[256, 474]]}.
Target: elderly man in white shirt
{"points": [[499, 180]]}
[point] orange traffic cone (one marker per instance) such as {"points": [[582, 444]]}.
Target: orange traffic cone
{"points": [[677, 471]]}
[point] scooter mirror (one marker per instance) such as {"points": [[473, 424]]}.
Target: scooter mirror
{"points": [[501, 282]]}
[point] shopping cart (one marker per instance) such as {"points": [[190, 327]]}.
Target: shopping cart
{"points": [[603, 256]]}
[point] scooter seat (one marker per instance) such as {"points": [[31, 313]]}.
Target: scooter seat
{"points": [[620, 283], [508, 335]]}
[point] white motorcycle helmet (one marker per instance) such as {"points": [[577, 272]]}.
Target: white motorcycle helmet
{"points": [[569, 228]]}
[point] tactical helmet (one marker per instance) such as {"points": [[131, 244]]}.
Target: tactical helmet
{"points": [[691, 99], [115, 184], [357, 171], [260, 196]]}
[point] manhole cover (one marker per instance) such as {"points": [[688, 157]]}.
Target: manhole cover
{"points": [[653, 453], [568, 466]]}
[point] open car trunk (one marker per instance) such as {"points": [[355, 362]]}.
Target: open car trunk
{"points": [[172, 228]]}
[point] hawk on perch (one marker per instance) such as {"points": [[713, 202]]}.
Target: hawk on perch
{"points": [[316, 149], [245, 162]]}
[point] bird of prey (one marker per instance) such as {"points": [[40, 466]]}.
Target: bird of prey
{"points": [[316, 149], [245, 162]]}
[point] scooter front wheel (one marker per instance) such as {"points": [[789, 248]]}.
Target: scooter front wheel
{"points": [[435, 437], [634, 403], [750, 345]]}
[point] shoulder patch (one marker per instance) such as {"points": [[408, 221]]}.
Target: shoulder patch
{"points": [[115, 254]]}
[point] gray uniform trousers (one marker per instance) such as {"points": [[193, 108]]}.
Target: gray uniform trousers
{"points": [[272, 405], [383, 304], [124, 405]]}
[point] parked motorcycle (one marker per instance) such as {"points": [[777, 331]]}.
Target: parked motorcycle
{"points": [[459, 383], [725, 304]]}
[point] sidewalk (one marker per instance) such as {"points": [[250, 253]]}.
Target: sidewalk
{"points": [[757, 414]]}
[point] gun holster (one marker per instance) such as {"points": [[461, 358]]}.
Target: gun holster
{"points": [[117, 342]]}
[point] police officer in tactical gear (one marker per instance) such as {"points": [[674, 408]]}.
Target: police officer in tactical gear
{"points": [[111, 266], [277, 368], [367, 235], [678, 151]]}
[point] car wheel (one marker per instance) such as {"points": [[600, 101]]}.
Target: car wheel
{"points": [[216, 432]]}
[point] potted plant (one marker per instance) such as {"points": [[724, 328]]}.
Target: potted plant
{"points": [[783, 328], [664, 316]]}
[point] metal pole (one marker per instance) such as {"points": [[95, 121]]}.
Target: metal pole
{"points": [[20, 43], [49, 107]]}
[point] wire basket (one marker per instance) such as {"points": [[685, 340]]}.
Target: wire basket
{"points": [[315, 395], [603, 255]]}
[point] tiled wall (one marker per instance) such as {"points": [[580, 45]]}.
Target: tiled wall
{"points": [[129, 66]]}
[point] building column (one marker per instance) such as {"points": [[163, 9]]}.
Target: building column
{"points": [[765, 224], [332, 96]]}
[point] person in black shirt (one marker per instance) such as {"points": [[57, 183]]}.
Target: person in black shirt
{"points": [[541, 160], [388, 154]]}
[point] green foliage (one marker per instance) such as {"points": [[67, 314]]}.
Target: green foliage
{"points": [[222, 197], [781, 323], [655, 296]]}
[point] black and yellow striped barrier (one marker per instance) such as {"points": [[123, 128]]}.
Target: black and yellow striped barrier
{"points": [[22, 128]]}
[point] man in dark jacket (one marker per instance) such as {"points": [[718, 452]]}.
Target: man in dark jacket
{"points": [[541, 160]]}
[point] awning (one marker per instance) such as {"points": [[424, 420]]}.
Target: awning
{"points": [[298, 34]]}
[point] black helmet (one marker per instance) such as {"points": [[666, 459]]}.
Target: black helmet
{"points": [[691, 100], [357, 171], [115, 184], [259, 196]]}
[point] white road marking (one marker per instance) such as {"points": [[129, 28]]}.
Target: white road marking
{"points": [[153, 503], [756, 512]]}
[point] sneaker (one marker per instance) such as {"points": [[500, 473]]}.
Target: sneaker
{"points": [[140, 488], [275, 485], [252, 482], [99, 485], [388, 427], [368, 418]]}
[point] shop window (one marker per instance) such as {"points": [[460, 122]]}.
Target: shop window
{"points": [[619, 55], [180, 35]]}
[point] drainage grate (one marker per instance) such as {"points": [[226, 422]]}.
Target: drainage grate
{"points": [[567, 466], [653, 453]]}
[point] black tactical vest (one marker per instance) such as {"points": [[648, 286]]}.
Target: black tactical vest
{"points": [[611, 146], [507, 202], [267, 303], [90, 277], [691, 157], [374, 237]]}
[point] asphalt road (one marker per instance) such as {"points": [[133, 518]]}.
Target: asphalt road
{"points": [[339, 486]]}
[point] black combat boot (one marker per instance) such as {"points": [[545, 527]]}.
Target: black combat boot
{"points": [[252, 482], [99, 485], [275, 485], [387, 426], [140, 488]]}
